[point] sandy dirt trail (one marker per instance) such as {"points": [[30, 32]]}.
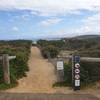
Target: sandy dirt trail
{"points": [[41, 76]]}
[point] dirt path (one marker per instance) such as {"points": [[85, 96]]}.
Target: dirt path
{"points": [[41, 76]]}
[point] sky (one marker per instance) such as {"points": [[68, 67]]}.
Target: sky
{"points": [[41, 19]]}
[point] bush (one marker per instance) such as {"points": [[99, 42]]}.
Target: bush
{"points": [[1, 74], [68, 74], [50, 51], [18, 66], [93, 70]]}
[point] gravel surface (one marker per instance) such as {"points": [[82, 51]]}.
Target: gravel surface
{"points": [[27, 96]]}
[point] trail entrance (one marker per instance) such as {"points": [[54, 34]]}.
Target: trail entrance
{"points": [[41, 76]]}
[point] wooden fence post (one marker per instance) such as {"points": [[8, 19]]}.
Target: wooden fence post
{"points": [[5, 59]]}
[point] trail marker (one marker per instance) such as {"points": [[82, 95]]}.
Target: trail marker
{"points": [[76, 72]]}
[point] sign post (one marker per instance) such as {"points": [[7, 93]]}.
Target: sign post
{"points": [[60, 70], [76, 72], [6, 68]]}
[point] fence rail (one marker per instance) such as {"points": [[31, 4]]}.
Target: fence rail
{"points": [[10, 57], [88, 59]]}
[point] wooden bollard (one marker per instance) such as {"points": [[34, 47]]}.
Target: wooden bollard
{"points": [[5, 59]]}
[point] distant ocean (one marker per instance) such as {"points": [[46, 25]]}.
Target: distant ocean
{"points": [[34, 39]]}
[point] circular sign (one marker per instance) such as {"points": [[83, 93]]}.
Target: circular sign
{"points": [[77, 71], [77, 65], [77, 77]]}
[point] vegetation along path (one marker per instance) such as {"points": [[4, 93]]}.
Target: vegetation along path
{"points": [[41, 76]]}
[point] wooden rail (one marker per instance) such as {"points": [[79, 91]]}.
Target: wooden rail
{"points": [[87, 59], [90, 59], [5, 61], [10, 57]]}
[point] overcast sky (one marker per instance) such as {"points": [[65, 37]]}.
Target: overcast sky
{"points": [[24, 19]]}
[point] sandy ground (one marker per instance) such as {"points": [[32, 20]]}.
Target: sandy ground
{"points": [[42, 76]]}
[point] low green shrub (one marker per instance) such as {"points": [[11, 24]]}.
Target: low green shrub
{"points": [[50, 51], [18, 66], [4, 86]]}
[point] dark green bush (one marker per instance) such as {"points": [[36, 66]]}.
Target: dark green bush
{"points": [[68, 74], [50, 51], [1, 74], [93, 70], [18, 66]]}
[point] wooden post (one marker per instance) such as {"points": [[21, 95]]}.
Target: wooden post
{"points": [[60, 70], [48, 55], [5, 59]]}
